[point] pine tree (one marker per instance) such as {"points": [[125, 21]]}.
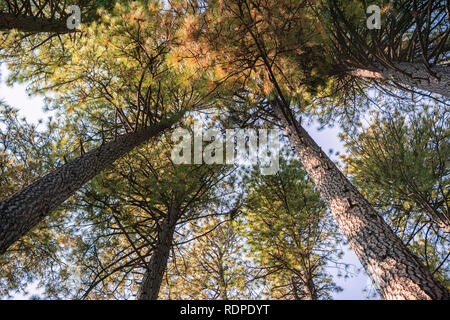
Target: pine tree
{"points": [[134, 211], [211, 264], [290, 234], [397, 273], [409, 47], [128, 104], [400, 163]]}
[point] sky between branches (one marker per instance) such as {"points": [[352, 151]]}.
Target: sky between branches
{"points": [[31, 107]]}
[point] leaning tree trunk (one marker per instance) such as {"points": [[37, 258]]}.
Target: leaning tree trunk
{"points": [[26, 208], [157, 266], [9, 21], [415, 75], [395, 271]]}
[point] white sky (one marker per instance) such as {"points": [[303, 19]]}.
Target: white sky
{"points": [[32, 109]]}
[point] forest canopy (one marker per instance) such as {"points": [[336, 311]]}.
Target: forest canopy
{"points": [[179, 161]]}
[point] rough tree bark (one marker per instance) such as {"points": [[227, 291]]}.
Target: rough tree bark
{"points": [[416, 75], [395, 271], [26, 208], [157, 265], [23, 23]]}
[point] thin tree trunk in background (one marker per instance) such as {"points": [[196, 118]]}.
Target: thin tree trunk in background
{"points": [[308, 289], [395, 271], [223, 283], [157, 266], [415, 75], [23, 23], [26, 208], [311, 289]]}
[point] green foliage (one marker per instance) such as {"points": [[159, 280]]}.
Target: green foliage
{"points": [[401, 164], [135, 63], [290, 234], [116, 218], [210, 265], [28, 151]]}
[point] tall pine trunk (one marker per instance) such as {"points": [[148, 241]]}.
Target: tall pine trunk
{"points": [[24, 23], [26, 208], [395, 271], [416, 75], [157, 266]]}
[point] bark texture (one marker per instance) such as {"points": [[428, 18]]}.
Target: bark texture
{"points": [[416, 75], [23, 23], [26, 208], [395, 271], [157, 266]]}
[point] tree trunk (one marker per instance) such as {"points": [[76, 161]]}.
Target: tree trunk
{"points": [[395, 271], [26, 208], [415, 75], [157, 266], [222, 282], [24, 23], [311, 288]]}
